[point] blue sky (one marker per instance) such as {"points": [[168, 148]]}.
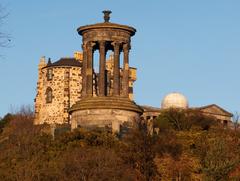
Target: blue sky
{"points": [[188, 46]]}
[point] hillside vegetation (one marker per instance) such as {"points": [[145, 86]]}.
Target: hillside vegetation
{"points": [[184, 145]]}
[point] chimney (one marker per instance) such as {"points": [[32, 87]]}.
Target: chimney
{"points": [[78, 56]]}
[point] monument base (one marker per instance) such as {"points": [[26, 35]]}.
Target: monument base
{"points": [[104, 112]]}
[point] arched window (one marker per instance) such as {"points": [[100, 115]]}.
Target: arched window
{"points": [[49, 95], [49, 74]]}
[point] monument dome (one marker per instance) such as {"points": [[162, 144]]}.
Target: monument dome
{"points": [[174, 100]]}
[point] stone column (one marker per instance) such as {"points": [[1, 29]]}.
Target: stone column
{"points": [[116, 69], [84, 68], [125, 85], [102, 68], [89, 72]]}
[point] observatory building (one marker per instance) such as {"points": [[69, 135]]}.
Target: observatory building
{"points": [[174, 100], [177, 100]]}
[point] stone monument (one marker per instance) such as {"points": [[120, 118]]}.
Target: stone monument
{"points": [[101, 108]]}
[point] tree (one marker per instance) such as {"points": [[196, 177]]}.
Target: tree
{"points": [[4, 121], [183, 119], [4, 37], [173, 118], [30, 154], [138, 150], [219, 155], [90, 163], [235, 120]]}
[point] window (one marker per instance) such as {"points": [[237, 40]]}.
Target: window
{"points": [[66, 75], [225, 123], [49, 95], [49, 74]]}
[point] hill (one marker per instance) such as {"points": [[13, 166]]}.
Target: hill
{"points": [[181, 146]]}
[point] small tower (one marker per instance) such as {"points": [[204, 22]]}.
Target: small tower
{"points": [[38, 99], [103, 108]]}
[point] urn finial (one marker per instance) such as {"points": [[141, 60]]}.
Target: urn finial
{"points": [[107, 15]]}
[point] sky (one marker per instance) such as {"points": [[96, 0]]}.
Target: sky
{"points": [[187, 46]]}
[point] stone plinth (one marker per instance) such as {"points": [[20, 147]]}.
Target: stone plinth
{"points": [[105, 112]]}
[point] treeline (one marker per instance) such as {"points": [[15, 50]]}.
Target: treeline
{"points": [[180, 145]]}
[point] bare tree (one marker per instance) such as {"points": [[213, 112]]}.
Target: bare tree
{"points": [[235, 120], [4, 37]]}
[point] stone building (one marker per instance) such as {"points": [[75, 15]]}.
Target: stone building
{"points": [[179, 101], [219, 113], [59, 87]]}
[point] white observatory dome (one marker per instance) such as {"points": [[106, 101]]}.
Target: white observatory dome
{"points": [[174, 100]]}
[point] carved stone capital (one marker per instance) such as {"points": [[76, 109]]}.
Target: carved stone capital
{"points": [[126, 47], [84, 46], [116, 44], [90, 45]]}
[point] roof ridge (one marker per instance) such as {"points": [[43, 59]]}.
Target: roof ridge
{"points": [[66, 61]]}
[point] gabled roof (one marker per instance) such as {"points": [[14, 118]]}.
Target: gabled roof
{"points": [[224, 112], [65, 62], [150, 108]]}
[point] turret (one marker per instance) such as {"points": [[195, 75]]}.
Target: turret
{"points": [[42, 62]]}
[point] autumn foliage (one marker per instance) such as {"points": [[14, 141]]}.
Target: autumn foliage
{"points": [[184, 145]]}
